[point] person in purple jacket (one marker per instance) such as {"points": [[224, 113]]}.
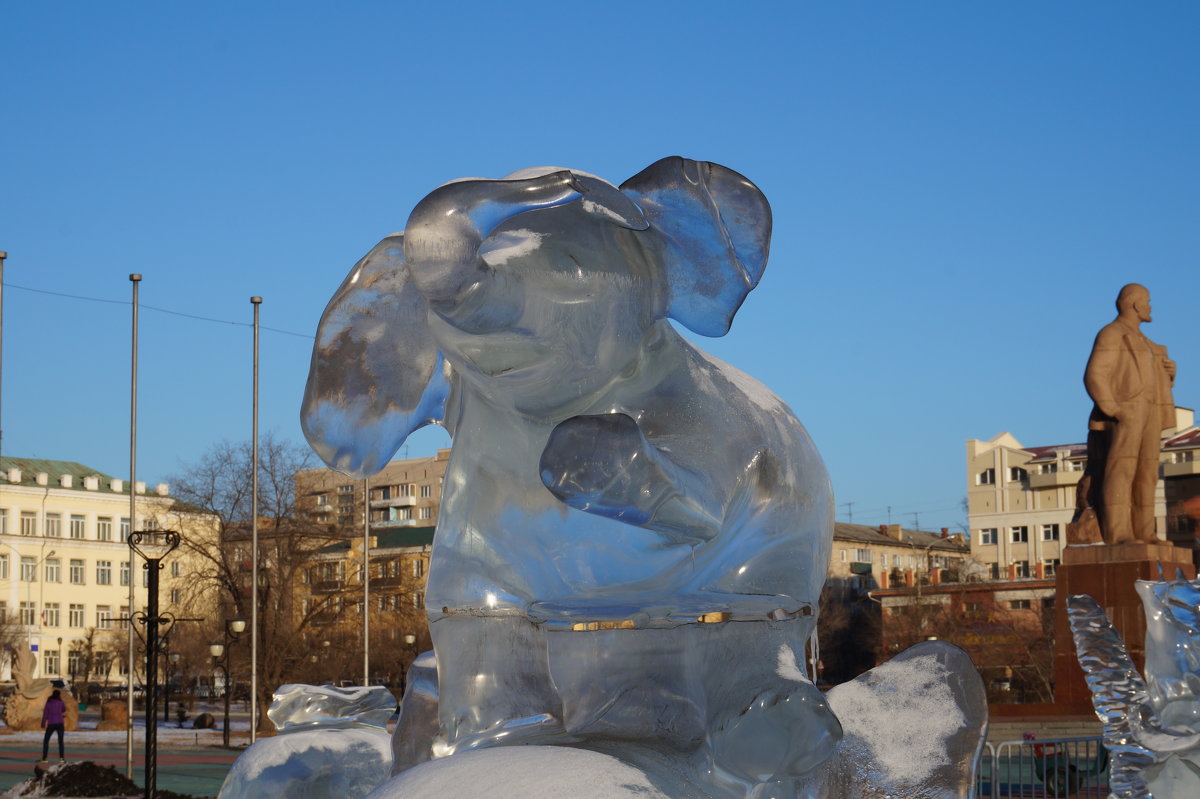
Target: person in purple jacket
{"points": [[52, 722]]}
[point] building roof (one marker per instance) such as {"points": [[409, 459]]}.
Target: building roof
{"points": [[915, 539], [1051, 452], [31, 467], [395, 538], [1186, 440]]}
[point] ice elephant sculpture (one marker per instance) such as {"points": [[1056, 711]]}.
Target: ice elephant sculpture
{"points": [[633, 535], [1151, 725]]}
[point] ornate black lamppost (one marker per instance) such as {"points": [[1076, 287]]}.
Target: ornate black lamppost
{"points": [[222, 653], [153, 546]]}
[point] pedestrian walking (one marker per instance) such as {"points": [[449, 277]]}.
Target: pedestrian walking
{"points": [[52, 722]]}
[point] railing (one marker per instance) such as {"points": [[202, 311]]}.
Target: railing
{"points": [[1041, 769]]}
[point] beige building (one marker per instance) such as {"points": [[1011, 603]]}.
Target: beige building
{"points": [[65, 562], [1020, 499], [405, 493], [866, 558]]}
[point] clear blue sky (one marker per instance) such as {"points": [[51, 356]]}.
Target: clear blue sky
{"points": [[959, 190]]}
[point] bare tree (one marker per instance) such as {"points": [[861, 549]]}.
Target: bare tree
{"points": [[218, 562]]}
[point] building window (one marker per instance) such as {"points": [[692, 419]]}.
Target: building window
{"points": [[28, 522], [418, 600], [104, 528], [322, 500], [124, 572], [104, 572], [1020, 535], [986, 478], [1022, 568], [842, 553], [973, 607], [78, 526], [426, 513], [988, 536], [103, 617], [1076, 466], [1017, 475], [1050, 566], [994, 571], [123, 621], [862, 556], [54, 525], [28, 614], [176, 569], [346, 489], [896, 561], [75, 662], [1184, 456], [124, 528], [3, 567], [3, 521], [418, 568], [1049, 532], [76, 571], [426, 491], [75, 615], [53, 570], [1047, 468], [28, 569], [176, 596], [1020, 604], [52, 615], [50, 662]]}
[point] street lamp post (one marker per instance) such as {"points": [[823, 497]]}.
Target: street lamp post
{"points": [[149, 543], [222, 653], [410, 639]]}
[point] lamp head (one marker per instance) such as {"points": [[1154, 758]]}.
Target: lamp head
{"points": [[217, 650]]}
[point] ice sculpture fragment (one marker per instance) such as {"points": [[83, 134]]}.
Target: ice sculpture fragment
{"points": [[333, 743], [1150, 725], [623, 517]]}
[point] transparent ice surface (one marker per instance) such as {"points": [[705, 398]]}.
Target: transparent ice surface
{"points": [[1150, 724], [633, 535], [333, 743]]}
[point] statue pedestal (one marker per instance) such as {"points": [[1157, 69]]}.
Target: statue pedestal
{"points": [[1107, 573]]}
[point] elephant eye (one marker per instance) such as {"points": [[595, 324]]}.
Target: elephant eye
{"points": [[489, 306]]}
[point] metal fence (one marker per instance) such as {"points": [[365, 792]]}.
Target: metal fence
{"points": [[1040, 769]]}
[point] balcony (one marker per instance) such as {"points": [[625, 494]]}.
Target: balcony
{"points": [[394, 502], [391, 581], [860, 568], [1185, 469], [324, 586], [1054, 479], [389, 524]]}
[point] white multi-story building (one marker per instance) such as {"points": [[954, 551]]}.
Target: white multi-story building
{"points": [[65, 562], [1020, 499]]}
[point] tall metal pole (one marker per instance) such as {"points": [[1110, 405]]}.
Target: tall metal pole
{"points": [[256, 302], [136, 280], [366, 581], [3, 255]]}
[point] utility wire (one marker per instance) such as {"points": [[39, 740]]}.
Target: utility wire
{"points": [[155, 308]]}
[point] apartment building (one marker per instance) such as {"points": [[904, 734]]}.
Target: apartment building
{"points": [[405, 493], [65, 563], [865, 558], [1021, 498]]}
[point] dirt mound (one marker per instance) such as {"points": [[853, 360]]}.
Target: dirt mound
{"points": [[83, 779]]}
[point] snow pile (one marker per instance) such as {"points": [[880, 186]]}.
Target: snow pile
{"points": [[521, 772]]}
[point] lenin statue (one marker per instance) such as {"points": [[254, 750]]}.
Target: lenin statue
{"points": [[1129, 379]]}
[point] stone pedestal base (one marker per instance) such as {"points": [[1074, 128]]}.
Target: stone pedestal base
{"points": [[1107, 573]]}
